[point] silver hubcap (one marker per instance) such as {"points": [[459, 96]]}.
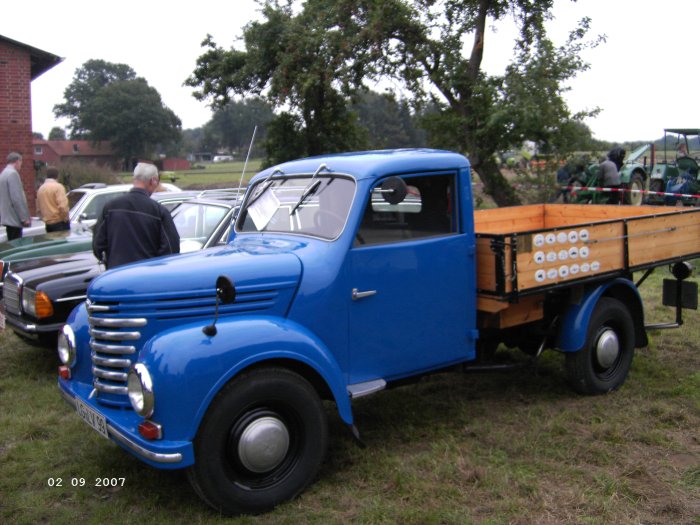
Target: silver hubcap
{"points": [[263, 444], [607, 348]]}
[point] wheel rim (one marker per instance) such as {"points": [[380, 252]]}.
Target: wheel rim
{"points": [[263, 444], [262, 448], [636, 196], [607, 351]]}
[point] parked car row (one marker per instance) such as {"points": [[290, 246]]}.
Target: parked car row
{"points": [[85, 204], [51, 276]]}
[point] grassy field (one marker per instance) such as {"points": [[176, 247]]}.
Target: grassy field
{"points": [[508, 448], [224, 174]]}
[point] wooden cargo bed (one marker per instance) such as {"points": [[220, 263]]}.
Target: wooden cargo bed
{"points": [[524, 250]]}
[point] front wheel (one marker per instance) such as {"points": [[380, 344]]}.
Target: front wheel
{"points": [[635, 195], [603, 363], [260, 444]]}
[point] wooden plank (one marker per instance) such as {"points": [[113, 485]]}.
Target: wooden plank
{"points": [[510, 219], [570, 257], [662, 238], [501, 314]]}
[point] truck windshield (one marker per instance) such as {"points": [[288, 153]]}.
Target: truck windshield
{"points": [[302, 205]]}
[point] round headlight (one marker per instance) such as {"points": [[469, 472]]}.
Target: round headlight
{"points": [[66, 346], [140, 388]]}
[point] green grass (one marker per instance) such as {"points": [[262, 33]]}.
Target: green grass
{"points": [[517, 447], [224, 174]]}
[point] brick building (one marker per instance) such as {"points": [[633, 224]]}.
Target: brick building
{"points": [[19, 65], [55, 151]]}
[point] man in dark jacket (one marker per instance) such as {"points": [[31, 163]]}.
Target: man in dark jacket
{"points": [[133, 226]]}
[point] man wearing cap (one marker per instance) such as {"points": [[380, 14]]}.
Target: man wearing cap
{"points": [[52, 203], [133, 226], [14, 212]]}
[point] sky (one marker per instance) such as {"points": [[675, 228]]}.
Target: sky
{"points": [[644, 78]]}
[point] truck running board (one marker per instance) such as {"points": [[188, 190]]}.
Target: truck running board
{"points": [[497, 367], [366, 388]]}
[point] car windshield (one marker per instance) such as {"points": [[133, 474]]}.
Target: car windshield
{"points": [[307, 205], [74, 196], [196, 221]]}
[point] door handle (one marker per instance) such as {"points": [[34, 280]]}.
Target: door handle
{"points": [[357, 294]]}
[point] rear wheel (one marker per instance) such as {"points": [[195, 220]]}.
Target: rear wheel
{"points": [[261, 443], [656, 185], [603, 363], [635, 196]]}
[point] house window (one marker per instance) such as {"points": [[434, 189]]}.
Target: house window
{"points": [[75, 148], [38, 150]]}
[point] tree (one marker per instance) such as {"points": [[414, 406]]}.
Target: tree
{"points": [[89, 79], [389, 124], [131, 115], [296, 69], [108, 102], [315, 60], [57, 133], [231, 127]]}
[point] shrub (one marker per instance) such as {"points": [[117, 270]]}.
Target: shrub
{"points": [[75, 173]]}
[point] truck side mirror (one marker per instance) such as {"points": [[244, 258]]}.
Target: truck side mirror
{"points": [[225, 290], [394, 190], [225, 294]]}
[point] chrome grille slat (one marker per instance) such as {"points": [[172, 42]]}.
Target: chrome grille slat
{"points": [[109, 389], [106, 322], [114, 336], [108, 374], [112, 349], [111, 362]]}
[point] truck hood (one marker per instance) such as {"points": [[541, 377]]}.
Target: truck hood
{"points": [[253, 265]]}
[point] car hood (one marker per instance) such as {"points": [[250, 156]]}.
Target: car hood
{"points": [[79, 268], [45, 244], [251, 264]]}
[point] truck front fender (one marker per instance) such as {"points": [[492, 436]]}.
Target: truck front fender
{"points": [[573, 328], [189, 368]]}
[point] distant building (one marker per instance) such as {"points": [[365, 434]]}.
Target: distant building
{"points": [[173, 164], [55, 151], [19, 65]]}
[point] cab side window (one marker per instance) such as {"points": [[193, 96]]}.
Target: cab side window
{"points": [[427, 211]]}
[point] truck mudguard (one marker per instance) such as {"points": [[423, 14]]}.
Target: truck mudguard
{"points": [[574, 325], [184, 357]]}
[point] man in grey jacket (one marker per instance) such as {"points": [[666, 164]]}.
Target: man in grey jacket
{"points": [[14, 213]]}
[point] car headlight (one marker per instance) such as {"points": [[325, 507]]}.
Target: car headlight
{"points": [[66, 346], [36, 304], [140, 389]]}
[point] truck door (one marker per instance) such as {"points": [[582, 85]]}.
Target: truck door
{"points": [[412, 279]]}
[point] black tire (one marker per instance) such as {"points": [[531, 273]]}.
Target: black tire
{"points": [[261, 442], [635, 198], [656, 185], [603, 363]]}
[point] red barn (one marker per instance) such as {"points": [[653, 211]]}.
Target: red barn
{"points": [[19, 65]]}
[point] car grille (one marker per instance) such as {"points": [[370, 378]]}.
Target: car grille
{"points": [[120, 328], [11, 295]]}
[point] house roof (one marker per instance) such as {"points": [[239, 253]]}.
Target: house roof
{"points": [[41, 61], [76, 148]]}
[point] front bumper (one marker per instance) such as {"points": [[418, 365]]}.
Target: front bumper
{"points": [[122, 427], [31, 329]]}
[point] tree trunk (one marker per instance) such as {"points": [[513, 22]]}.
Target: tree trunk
{"points": [[495, 184]]}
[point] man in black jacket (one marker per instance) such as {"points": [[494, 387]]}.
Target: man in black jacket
{"points": [[133, 226]]}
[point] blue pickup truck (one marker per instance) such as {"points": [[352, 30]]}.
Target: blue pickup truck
{"points": [[345, 275]]}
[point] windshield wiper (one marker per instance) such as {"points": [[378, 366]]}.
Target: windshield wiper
{"points": [[264, 186], [310, 189]]}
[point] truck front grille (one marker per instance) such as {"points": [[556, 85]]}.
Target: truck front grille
{"points": [[11, 295], [113, 342]]}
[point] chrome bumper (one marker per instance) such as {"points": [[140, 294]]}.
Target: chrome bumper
{"points": [[124, 440]]}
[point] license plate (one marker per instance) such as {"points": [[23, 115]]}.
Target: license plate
{"points": [[92, 418]]}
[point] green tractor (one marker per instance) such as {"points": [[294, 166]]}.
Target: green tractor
{"points": [[674, 176], [634, 175]]}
